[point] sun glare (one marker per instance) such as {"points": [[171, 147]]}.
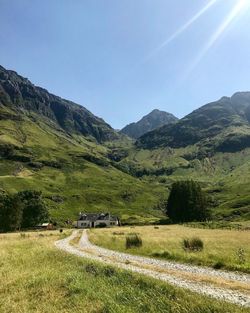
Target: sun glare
{"points": [[180, 30], [237, 9]]}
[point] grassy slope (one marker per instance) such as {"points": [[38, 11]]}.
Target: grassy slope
{"points": [[38, 278], [224, 175], [81, 184], [166, 242], [86, 186]]}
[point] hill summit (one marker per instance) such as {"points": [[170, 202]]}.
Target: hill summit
{"points": [[149, 122]]}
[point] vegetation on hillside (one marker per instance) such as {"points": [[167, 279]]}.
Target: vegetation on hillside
{"points": [[80, 163], [220, 126], [187, 202]]}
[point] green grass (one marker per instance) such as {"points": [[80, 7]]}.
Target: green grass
{"points": [[38, 278], [224, 175], [221, 247], [82, 185], [88, 186]]}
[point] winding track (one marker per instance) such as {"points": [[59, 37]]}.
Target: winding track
{"points": [[174, 273]]}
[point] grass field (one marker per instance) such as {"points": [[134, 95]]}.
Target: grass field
{"points": [[35, 277], [228, 249]]}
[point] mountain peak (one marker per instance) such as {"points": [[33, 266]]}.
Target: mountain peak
{"points": [[222, 125], [151, 121]]}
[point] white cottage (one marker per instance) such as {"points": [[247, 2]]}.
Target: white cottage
{"points": [[89, 220]]}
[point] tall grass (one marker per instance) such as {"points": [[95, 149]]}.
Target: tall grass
{"points": [[38, 278], [133, 240], [227, 249], [193, 245]]}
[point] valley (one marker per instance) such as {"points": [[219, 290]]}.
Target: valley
{"points": [[81, 164]]}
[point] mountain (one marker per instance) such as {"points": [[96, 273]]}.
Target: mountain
{"points": [[149, 122], [81, 164], [223, 125], [60, 148], [210, 145], [20, 95]]}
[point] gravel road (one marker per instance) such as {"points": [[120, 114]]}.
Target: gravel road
{"points": [[170, 272]]}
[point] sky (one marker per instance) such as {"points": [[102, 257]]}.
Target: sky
{"points": [[123, 58]]}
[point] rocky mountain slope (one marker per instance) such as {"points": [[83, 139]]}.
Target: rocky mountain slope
{"points": [[19, 94], [222, 125], [153, 120], [211, 145], [81, 164], [60, 148]]}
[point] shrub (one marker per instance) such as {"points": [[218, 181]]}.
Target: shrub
{"points": [[92, 269], [133, 240], [109, 271], [218, 265], [194, 244]]}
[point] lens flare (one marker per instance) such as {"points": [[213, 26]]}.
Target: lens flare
{"points": [[179, 31], [236, 10]]}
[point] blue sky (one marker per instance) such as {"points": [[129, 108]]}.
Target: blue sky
{"points": [[110, 56]]}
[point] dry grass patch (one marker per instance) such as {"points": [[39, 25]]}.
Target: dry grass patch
{"points": [[221, 247], [38, 278]]}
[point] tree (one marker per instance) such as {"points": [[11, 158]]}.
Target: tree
{"points": [[187, 202], [34, 208], [11, 211]]}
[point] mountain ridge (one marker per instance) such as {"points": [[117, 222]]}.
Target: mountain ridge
{"points": [[212, 122], [19, 94]]}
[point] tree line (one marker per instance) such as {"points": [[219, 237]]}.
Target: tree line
{"points": [[24, 209]]}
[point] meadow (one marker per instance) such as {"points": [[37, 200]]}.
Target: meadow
{"points": [[223, 248], [36, 277]]}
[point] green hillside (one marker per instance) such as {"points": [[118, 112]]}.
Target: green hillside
{"points": [[81, 164], [73, 173], [72, 169]]}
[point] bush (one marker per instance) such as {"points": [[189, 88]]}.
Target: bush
{"points": [[194, 244], [218, 265], [109, 271], [133, 240], [92, 269]]}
